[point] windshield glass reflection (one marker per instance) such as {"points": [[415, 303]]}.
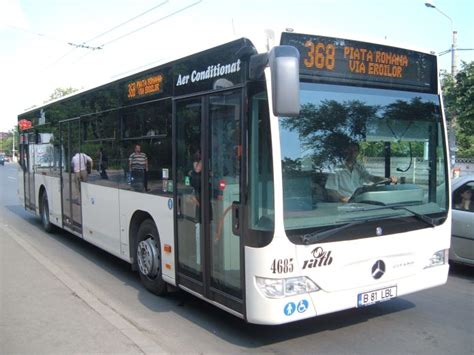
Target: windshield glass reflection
{"points": [[351, 147]]}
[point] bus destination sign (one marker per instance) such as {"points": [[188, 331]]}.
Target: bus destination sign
{"points": [[149, 85], [360, 63]]}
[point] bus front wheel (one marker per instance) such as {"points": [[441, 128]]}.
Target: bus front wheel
{"points": [[44, 213], [149, 258]]}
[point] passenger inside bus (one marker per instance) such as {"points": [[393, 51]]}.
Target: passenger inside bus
{"points": [[195, 175], [349, 176], [138, 167]]}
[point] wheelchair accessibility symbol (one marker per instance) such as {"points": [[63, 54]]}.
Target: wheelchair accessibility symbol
{"points": [[290, 307], [302, 306]]}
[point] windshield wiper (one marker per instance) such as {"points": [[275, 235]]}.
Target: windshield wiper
{"points": [[319, 236], [433, 222]]}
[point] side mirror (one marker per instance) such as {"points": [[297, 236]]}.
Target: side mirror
{"points": [[285, 74]]}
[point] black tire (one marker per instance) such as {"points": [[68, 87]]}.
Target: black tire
{"points": [[148, 257], [44, 214]]}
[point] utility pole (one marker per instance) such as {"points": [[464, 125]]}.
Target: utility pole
{"points": [[13, 146], [452, 123]]}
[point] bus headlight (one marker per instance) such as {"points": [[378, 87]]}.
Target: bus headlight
{"points": [[279, 288], [441, 257]]}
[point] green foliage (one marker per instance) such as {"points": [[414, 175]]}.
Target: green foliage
{"points": [[465, 144], [465, 98], [60, 92], [327, 128], [448, 85], [6, 144], [458, 97]]}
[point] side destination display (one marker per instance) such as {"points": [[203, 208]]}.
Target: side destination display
{"points": [[329, 59]]}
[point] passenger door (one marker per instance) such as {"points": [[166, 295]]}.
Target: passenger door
{"points": [[30, 200], [208, 132], [70, 189]]}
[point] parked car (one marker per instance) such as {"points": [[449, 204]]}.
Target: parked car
{"points": [[2, 159], [462, 234]]}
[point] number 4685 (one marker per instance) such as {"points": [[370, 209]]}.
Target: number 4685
{"points": [[282, 266]]}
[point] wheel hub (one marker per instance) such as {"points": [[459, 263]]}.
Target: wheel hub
{"points": [[147, 257]]}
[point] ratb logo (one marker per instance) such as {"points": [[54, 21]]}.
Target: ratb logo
{"points": [[320, 258]]}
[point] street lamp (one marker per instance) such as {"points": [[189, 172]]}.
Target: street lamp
{"points": [[454, 39], [452, 123]]}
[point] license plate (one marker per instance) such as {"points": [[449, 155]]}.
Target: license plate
{"points": [[380, 295]]}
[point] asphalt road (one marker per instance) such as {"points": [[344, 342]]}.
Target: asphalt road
{"points": [[59, 294]]}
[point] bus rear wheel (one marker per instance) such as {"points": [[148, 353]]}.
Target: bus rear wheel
{"points": [[44, 213], [149, 258]]}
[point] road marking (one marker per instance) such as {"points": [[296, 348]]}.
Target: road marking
{"points": [[12, 178], [141, 340]]}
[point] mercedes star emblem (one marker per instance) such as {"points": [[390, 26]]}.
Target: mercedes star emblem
{"points": [[378, 269]]}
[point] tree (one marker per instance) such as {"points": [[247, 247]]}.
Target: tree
{"points": [[6, 144], [60, 92], [458, 97], [465, 98], [325, 128]]}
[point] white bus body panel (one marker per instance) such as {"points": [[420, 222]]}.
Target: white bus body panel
{"points": [[21, 185], [100, 217], [346, 273], [106, 216], [52, 186], [161, 209]]}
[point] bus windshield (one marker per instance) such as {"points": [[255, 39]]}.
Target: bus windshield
{"points": [[353, 150]]}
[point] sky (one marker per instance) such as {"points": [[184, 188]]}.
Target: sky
{"points": [[40, 40]]}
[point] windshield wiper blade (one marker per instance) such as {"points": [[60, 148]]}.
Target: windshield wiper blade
{"points": [[378, 207], [433, 222], [319, 236]]}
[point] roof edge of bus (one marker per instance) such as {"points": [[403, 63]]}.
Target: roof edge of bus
{"points": [[133, 72], [263, 38], [361, 38]]}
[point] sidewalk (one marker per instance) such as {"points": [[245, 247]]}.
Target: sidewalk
{"points": [[40, 313]]}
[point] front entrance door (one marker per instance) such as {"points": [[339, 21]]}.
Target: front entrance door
{"points": [[28, 167], [71, 189], [208, 164]]}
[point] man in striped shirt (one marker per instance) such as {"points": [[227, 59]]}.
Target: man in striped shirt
{"points": [[138, 167], [79, 167]]}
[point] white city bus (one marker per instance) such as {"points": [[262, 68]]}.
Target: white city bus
{"points": [[241, 142]]}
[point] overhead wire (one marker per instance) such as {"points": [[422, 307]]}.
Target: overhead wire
{"points": [[52, 38], [42, 35], [457, 49], [84, 44], [151, 23], [126, 22], [142, 28]]}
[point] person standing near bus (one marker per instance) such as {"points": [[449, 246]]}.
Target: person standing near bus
{"points": [[103, 164], [79, 164], [350, 176], [195, 175], [196, 184], [138, 167]]}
